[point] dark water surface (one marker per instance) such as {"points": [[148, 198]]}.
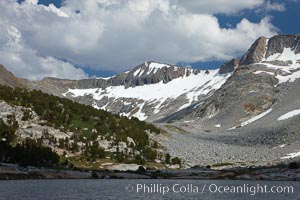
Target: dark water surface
{"points": [[147, 189]]}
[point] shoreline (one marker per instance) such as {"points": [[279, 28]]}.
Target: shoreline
{"points": [[272, 173]]}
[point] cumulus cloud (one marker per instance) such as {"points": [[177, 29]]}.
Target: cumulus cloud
{"points": [[25, 62], [119, 34]]}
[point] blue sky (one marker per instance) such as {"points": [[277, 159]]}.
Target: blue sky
{"points": [[105, 38], [57, 3]]}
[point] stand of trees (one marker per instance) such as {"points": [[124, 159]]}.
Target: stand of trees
{"points": [[86, 122], [29, 152]]}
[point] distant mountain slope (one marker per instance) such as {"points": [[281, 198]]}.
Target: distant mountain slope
{"points": [[150, 91], [7, 78]]}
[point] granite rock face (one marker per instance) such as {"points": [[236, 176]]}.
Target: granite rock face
{"points": [[277, 43], [255, 53]]}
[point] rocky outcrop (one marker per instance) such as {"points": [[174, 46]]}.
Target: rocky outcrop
{"points": [[263, 48], [27, 128], [277, 43], [143, 74], [152, 72], [229, 66]]}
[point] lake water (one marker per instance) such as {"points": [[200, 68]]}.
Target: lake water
{"points": [[147, 189]]}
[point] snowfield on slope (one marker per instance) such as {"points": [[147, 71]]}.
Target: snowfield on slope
{"points": [[191, 86], [290, 72]]}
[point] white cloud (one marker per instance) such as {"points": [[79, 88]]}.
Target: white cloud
{"points": [[25, 62], [119, 34]]}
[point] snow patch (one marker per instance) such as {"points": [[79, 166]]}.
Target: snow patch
{"points": [[252, 119], [288, 78], [137, 72], [154, 67], [189, 121], [139, 114], [95, 106], [289, 115], [256, 118], [287, 54], [279, 146], [218, 125], [291, 155], [291, 72], [261, 72]]}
